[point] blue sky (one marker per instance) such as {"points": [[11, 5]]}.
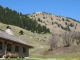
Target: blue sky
{"points": [[67, 8]]}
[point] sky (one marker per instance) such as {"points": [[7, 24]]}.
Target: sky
{"points": [[66, 8]]}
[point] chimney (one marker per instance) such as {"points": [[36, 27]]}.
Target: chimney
{"points": [[8, 30]]}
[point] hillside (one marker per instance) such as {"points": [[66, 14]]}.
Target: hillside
{"points": [[34, 39], [56, 24], [12, 17], [39, 42]]}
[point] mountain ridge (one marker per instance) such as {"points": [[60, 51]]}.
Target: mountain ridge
{"points": [[54, 22], [12, 17], [55, 15]]}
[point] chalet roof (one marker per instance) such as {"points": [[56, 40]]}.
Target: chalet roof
{"points": [[5, 35]]}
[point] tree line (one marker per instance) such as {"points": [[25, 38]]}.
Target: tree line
{"points": [[12, 17]]}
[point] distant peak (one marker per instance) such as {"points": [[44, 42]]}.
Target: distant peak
{"points": [[38, 12]]}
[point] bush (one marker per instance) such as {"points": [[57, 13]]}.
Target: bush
{"points": [[65, 23], [63, 19], [21, 32], [71, 24], [43, 17]]}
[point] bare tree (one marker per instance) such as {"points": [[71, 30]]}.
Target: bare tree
{"points": [[53, 42], [66, 38], [70, 37], [76, 36]]}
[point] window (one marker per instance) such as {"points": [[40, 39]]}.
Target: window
{"points": [[24, 50], [0, 45], [16, 48], [9, 47]]}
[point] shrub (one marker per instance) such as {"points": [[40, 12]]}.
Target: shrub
{"points": [[75, 27], [51, 18], [43, 17], [21, 32], [71, 24], [65, 23], [63, 19], [52, 23]]}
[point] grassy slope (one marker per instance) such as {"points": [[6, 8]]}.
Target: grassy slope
{"points": [[37, 44], [27, 38]]}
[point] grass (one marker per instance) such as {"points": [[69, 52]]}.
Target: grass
{"points": [[13, 59], [18, 59], [37, 44], [72, 56], [42, 59], [26, 36]]}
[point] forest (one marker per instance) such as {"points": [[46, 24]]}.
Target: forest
{"points": [[12, 17]]}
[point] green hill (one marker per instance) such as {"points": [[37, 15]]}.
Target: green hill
{"points": [[37, 40]]}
